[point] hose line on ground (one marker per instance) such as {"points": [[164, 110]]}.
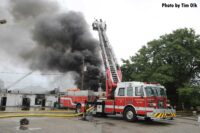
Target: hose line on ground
{"points": [[45, 115]]}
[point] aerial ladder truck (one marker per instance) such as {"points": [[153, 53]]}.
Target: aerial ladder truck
{"points": [[130, 99], [112, 69]]}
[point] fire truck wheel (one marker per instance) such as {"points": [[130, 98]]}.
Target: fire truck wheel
{"points": [[78, 108], [129, 114]]}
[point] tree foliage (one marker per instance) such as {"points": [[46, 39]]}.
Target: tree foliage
{"points": [[172, 60], [189, 95]]}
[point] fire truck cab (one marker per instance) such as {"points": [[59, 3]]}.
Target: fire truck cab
{"points": [[143, 99], [137, 99]]}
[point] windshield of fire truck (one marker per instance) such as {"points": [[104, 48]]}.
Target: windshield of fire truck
{"points": [[150, 91], [155, 91], [161, 91]]}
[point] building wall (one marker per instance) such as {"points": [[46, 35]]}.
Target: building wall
{"points": [[14, 101], [50, 100]]}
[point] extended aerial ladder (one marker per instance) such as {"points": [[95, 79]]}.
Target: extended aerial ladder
{"points": [[112, 69], [121, 97]]}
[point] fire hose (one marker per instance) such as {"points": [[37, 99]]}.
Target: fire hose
{"points": [[46, 115]]}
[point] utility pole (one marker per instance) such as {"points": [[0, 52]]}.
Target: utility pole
{"points": [[82, 74]]}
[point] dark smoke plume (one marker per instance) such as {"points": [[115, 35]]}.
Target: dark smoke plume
{"points": [[63, 42], [54, 41]]}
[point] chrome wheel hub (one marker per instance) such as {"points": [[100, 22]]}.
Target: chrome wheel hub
{"points": [[129, 115]]}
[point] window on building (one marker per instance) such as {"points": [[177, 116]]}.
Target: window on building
{"points": [[38, 101], [39, 98], [121, 92], [130, 91]]}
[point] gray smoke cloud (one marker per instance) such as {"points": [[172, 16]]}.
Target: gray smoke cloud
{"points": [[63, 42], [15, 35], [54, 41], [1, 84], [25, 9]]}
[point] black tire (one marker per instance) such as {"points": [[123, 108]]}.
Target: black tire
{"points": [[78, 108], [130, 114]]}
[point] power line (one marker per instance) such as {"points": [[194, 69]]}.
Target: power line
{"points": [[8, 87]]}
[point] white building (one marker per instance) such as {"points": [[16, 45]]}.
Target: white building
{"points": [[16, 101]]}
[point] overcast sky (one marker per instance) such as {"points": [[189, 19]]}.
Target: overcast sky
{"points": [[131, 24]]}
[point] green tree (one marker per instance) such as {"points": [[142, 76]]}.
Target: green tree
{"points": [[172, 60], [189, 95]]}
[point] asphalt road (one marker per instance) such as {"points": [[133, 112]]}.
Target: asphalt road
{"points": [[100, 125]]}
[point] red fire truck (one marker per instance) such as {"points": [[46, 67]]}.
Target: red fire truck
{"points": [[76, 98], [131, 99]]}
